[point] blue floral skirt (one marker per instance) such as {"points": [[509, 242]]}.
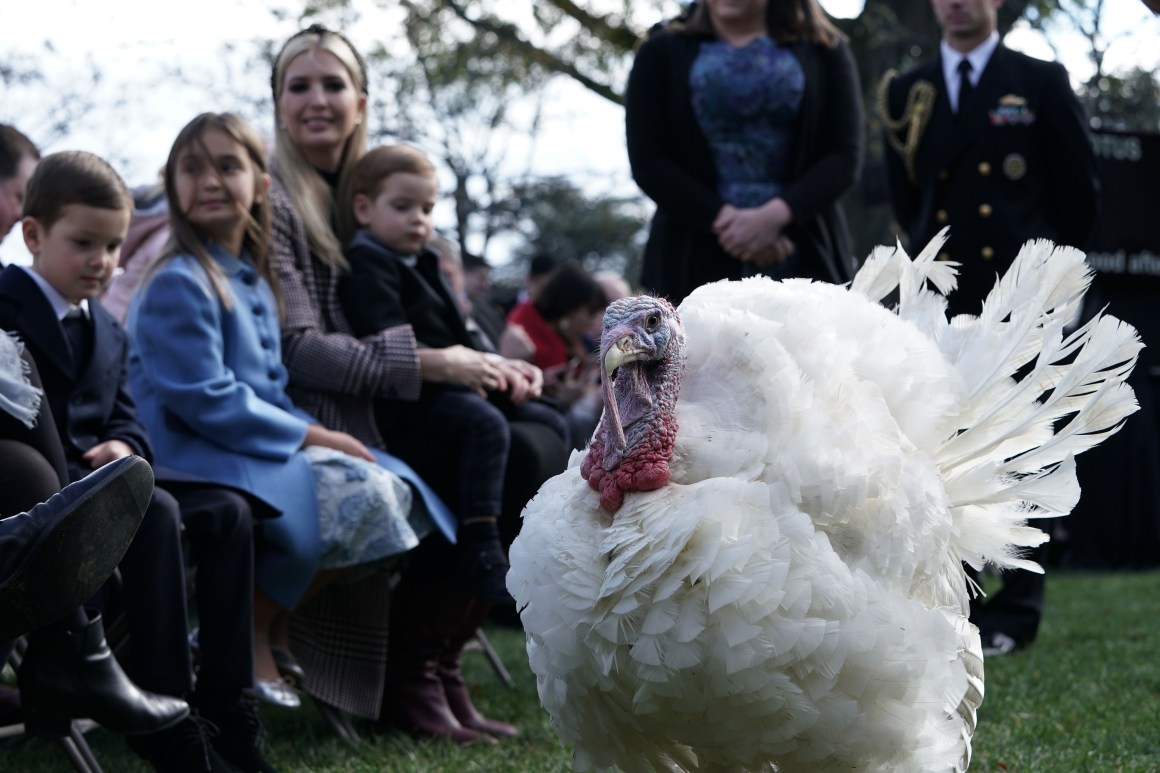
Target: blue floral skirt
{"points": [[365, 511]]}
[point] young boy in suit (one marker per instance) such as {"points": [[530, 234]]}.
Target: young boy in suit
{"points": [[76, 215]]}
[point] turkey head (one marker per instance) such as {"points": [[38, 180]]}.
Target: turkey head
{"points": [[642, 347]]}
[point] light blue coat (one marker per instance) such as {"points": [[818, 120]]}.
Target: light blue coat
{"points": [[211, 388]]}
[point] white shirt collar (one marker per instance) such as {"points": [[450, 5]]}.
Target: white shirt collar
{"points": [[60, 304], [979, 56]]}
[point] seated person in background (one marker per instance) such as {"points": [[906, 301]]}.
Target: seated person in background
{"points": [[489, 315], [76, 214], [18, 157], [468, 396], [148, 234], [550, 331], [540, 270]]}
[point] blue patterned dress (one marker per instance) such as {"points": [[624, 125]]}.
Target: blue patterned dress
{"points": [[747, 101]]}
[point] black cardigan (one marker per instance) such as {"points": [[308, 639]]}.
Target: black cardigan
{"points": [[672, 164]]}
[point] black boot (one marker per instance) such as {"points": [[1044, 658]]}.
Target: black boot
{"points": [[239, 738], [187, 747], [57, 555], [70, 674], [482, 565]]}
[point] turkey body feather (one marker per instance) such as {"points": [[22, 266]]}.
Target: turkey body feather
{"points": [[793, 598]]}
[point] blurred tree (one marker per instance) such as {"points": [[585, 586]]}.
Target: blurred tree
{"points": [[552, 215]]}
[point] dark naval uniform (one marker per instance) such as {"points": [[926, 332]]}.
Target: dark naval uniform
{"points": [[1016, 164]]}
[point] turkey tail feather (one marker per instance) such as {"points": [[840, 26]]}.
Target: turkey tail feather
{"points": [[1034, 395]]}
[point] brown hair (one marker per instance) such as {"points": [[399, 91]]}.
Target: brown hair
{"points": [[73, 177], [14, 148], [371, 172], [570, 287], [788, 21], [185, 238], [309, 193]]}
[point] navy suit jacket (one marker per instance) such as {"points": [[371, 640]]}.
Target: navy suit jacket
{"points": [[1017, 164], [92, 404]]}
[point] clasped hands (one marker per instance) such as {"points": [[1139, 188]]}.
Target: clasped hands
{"points": [[755, 234], [484, 372]]}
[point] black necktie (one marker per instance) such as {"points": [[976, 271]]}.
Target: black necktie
{"points": [[78, 331], [965, 87]]}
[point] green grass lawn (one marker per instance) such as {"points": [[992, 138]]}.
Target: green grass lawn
{"points": [[1086, 697]]}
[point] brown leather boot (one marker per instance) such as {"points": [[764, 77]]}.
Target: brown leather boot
{"points": [[413, 697], [451, 674]]}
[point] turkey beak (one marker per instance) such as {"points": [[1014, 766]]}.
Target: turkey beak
{"points": [[621, 352]]}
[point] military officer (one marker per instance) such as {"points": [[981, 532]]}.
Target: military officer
{"points": [[990, 142], [994, 144]]}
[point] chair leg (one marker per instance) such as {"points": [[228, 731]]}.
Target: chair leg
{"points": [[493, 658], [339, 722], [79, 752], [75, 746]]}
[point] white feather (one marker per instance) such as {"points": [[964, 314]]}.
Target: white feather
{"points": [[794, 598]]}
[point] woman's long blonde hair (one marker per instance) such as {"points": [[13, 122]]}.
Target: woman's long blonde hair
{"points": [[185, 238], [310, 194]]}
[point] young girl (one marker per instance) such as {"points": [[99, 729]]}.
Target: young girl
{"points": [[207, 374]]}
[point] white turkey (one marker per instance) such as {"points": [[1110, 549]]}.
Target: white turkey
{"points": [[757, 563]]}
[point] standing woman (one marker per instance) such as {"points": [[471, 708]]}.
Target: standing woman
{"points": [[320, 92], [744, 126]]}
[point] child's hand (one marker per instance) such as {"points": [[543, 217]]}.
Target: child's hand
{"points": [[525, 381], [109, 451], [318, 435]]}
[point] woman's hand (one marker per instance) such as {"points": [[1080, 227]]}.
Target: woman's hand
{"points": [[463, 366], [318, 435], [755, 233]]}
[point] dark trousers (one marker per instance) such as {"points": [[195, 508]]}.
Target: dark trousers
{"points": [[1018, 606], [219, 534], [217, 524], [460, 422]]}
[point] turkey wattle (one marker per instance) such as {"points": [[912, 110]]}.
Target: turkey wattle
{"points": [[757, 565]]}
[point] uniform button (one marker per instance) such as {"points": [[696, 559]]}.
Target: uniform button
{"points": [[258, 310], [941, 216], [987, 253], [943, 256], [984, 168], [273, 374], [267, 343], [984, 210], [249, 278]]}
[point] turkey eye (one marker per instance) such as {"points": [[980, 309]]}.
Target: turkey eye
{"points": [[652, 322]]}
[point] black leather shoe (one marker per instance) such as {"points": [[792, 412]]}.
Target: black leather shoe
{"points": [[57, 555], [239, 737], [68, 675], [187, 747]]}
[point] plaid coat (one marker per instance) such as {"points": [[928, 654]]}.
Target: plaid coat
{"points": [[340, 636]]}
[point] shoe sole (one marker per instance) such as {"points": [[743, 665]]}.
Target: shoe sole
{"points": [[84, 545]]}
